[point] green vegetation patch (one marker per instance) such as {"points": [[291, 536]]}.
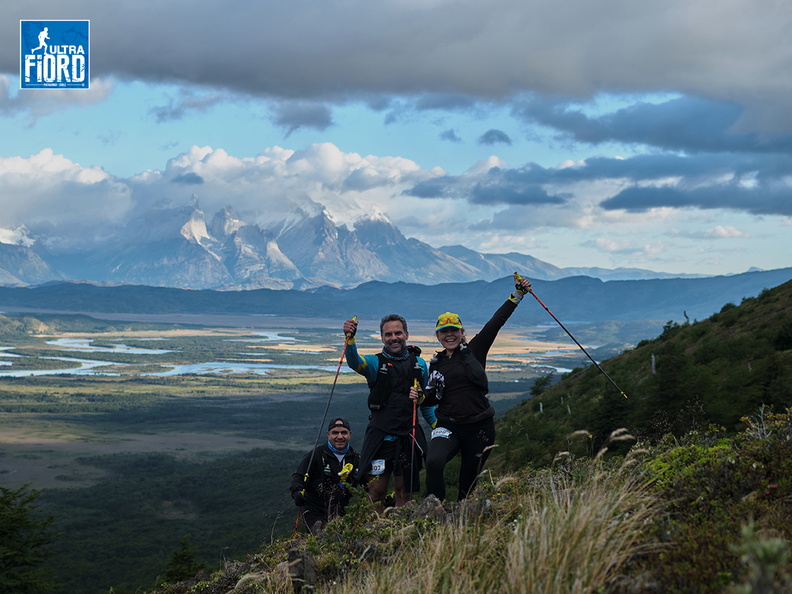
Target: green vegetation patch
{"points": [[229, 505]]}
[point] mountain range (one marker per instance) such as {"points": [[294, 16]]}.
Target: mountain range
{"points": [[578, 299], [181, 247]]}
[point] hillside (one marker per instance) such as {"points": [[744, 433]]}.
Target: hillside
{"points": [[704, 513], [710, 372], [696, 507], [722, 369]]}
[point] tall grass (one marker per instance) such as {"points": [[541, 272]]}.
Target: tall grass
{"points": [[575, 538], [562, 534]]}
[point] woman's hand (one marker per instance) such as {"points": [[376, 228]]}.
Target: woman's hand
{"points": [[521, 283]]}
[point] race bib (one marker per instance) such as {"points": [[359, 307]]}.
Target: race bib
{"points": [[441, 432], [377, 466]]}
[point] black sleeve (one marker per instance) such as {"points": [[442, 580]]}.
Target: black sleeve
{"points": [[298, 478], [480, 344]]}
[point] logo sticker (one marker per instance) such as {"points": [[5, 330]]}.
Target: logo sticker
{"points": [[54, 54]]}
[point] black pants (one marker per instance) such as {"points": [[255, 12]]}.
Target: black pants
{"points": [[310, 517], [472, 441]]}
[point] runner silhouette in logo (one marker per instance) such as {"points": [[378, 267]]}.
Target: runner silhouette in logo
{"points": [[42, 37]]}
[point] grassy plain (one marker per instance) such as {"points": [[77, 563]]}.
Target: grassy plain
{"points": [[48, 422], [132, 458]]}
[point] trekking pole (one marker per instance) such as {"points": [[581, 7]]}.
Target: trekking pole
{"points": [[297, 523], [518, 277], [417, 386], [347, 338]]}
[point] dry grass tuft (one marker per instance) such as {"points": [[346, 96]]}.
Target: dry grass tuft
{"points": [[566, 535]]}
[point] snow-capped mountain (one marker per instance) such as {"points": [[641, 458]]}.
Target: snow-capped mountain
{"points": [[20, 265], [303, 248]]}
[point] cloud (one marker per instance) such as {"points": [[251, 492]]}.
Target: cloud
{"points": [[494, 137], [35, 104], [450, 136], [520, 217], [612, 246], [443, 102], [297, 114], [438, 187], [683, 123], [279, 181], [626, 247], [760, 186], [443, 51], [187, 101], [188, 179], [111, 138], [61, 197], [501, 194], [588, 205], [725, 232], [490, 185], [508, 186], [16, 236], [768, 201]]}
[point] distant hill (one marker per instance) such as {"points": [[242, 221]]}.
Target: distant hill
{"points": [[714, 371], [575, 299], [492, 266]]}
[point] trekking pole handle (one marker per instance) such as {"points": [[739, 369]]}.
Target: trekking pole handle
{"points": [[518, 286], [349, 335], [417, 387]]}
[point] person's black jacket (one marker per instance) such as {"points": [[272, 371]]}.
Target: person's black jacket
{"points": [[324, 490]]}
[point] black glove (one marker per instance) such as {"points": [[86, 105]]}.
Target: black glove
{"points": [[299, 498]]}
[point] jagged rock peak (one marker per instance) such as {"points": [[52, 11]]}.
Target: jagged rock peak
{"points": [[225, 223]]}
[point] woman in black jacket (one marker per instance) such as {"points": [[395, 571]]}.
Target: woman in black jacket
{"points": [[458, 386]]}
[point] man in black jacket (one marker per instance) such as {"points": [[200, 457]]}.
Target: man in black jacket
{"points": [[394, 443], [321, 485]]}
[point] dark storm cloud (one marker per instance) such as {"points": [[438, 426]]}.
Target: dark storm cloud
{"points": [[434, 101], [516, 194], [439, 187], [684, 123], [302, 114], [483, 51], [700, 169], [758, 201], [757, 185], [496, 186], [494, 137], [663, 165], [723, 141]]}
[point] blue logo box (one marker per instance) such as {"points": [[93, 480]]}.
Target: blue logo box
{"points": [[54, 55]]}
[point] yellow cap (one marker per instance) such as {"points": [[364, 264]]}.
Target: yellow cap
{"points": [[448, 320]]}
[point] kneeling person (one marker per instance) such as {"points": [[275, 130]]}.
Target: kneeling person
{"points": [[321, 484]]}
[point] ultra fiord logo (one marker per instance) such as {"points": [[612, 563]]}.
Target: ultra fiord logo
{"points": [[54, 54]]}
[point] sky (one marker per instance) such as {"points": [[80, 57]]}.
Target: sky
{"points": [[618, 133]]}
